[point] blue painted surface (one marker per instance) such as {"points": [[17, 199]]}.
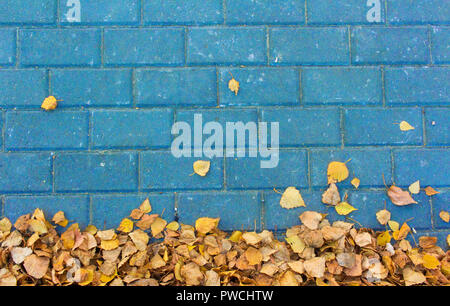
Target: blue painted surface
{"points": [[337, 83]]}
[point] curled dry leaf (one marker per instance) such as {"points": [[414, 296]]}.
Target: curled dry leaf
{"points": [[60, 219], [206, 225], [201, 167], [145, 207], [413, 277], [400, 197], [233, 85], [331, 195], [50, 103], [291, 198], [337, 172], [19, 254], [414, 188], [429, 191], [311, 219], [363, 239], [36, 266], [445, 216], [383, 216]]}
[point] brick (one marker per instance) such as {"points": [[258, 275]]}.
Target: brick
{"points": [[221, 116], [246, 172], [80, 172], [341, 86], [369, 165], [37, 130], [164, 87], [308, 46], [25, 172], [92, 87], [226, 46], [109, 210], [436, 121], [75, 208], [7, 47], [440, 203], [305, 127], [430, 166], [418, 12], [160, 170], [20, 12], [440, 235], [59, 47], [103, 12], [236, 210], [137, 47], [440, 43], [341, 12], [417, 86], [265, 12], [131, 129], [381, 126], [260, 86], [23, 88], [369, 203], [186, 12], [391, 45]]}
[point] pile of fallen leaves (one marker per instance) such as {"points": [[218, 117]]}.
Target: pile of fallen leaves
{"points": [[145, 250]]}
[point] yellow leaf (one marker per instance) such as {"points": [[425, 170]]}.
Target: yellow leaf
{"points": [[429, 191], [448, 240], [60, 219], [158, 226], [412, 277], [297, 244], [383, 216], [344, 208], [145, 206], [140, 239], [38, 226], [355, 182], [125, 226], [91, 229], [383, 238], [402, 232], [177, 270], [173, 226], [337, 172], [233, 85], [414, 188], [87, 277], [5, 225], [405, 126], [395, 226], [254, 256], [201, 167], [109, 245], [445, 216], [205, 225], [236, 236], [291, 198], [430, 262], [50, 103]]}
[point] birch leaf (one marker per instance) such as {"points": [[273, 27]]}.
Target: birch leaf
{"points": [[344, 208], [233, 85], [429, 191], [355, 182], [201, 167], [383, 216], [405, 126], [206, 225], [414, 188], [125, 226], [445, 216], [291, 198], [400, 197], [60, 219], [331, 195], [50, 103], [337, 172]]}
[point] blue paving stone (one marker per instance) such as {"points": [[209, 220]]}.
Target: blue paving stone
{"points": [[308, 46], [36, 12], [236, 210], [260, 86], [59, 47], [109, 210], [39, 130], [247, 173], [187, 12], [343, 12], [96, 172], [160, 170], [440, 42], [75, 208], [369, 165], [417, 86], [138, 47], [440, 203], [23, 88], [305, 127], [369, 203], [365, 126], [265, 12], [430, 166], [7, 47], [92, 87], [226, 46], [176, 87], [102, 12], [393, 45], [25, 172], [340, 86], [418, 12], [221, 116], [437, 126], [131, 129]]}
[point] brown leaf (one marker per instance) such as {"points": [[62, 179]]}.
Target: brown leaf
{"points": [[331, 195], [36, 266], [429, 191], [400, 197], [311, 219]]}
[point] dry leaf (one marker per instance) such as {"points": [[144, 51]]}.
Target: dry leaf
{"points": [[400, 197], [233, 85], [337, 172], [5, 225], [146, 207], [19, 254], [412, 277], [125, 226], [363, 239], [344, 208], [383, 216], [355, 182], [445, 216], [430, 262], [291, 198], [384, 238], [140, 239], [315, 267], [201, 167], [60, 219], [394, 225], [206, 225], [50, 103], [297, 244], [253, 256], [414, 188], [36, 266], [429, 191], [331, 195], [158, 226], [251, 238], [311, 219], [405, 126]]}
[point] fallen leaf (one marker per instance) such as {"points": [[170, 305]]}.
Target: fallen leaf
{"points": [[140, 239], [355, 182], [291, 198], [363, 239], [50, 103], [400, 197], [206, 225], [344, 208], [429, 191], [412, 277], [405, 126], [297, 244], [60, 219], [315, 267], [331, 195], [36, 266], [288, 279], [430, 262], [445, 216], [414, 188], [427, 242], [5, 225], [173, 226], [402, 232], [383, 216], [251, 238], [19, 254], [201, 167], [394, 225], [337, 172], [145, 206], [383, 238], [233, 85], [254, 256], [158, 226], [311, 219], [125, 226]]}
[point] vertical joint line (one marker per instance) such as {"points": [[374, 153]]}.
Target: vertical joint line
{"points": [[102, 47], [53, 157], [392, 165], [142, 13], [263, 210], [300, 84], [90, 130], [349, 30], [424, 134], [386, 12], [224, 8], [267, 45], [306, 12], [138, 170], [3, 129], [431, 212], [186, 33], [383, 87], [133, 88], [430, 45], [217, 87], [308, 161], [342, 126], [17, 48], [91, 213]]}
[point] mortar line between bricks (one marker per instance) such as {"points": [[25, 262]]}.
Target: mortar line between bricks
{"points": [[267, 46], [91, 212], [262, 210], [141, 13], [431, 212], [17, 65], [49, 82], [392, 167], [300, 89], [217, 87], [386, 13], [308, 167], [186, 35], [3, 129], [133, 88], [342, 126], [306, 12], [102, 47], [224, 8], [138, 170], [349, 30], [90, 124], [430, 45], [53, 171], [424, 126], [383, 86]]}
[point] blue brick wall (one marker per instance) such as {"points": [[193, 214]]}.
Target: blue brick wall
{"points": [[124, 71]]}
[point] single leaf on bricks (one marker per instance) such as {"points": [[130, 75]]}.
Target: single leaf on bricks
{"points": [[383, 216], [206, 225], [201, 167], [337, 172], [344, 208], [233, 85], [146, 207], [405, 126], [400, 197], [50, 103], [331, 195], [355, 182], [414, 188], [291, 198], [445, 216], [429, 191]]}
